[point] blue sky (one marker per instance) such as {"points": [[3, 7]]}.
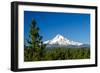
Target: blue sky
{"points": [[73, 26]]}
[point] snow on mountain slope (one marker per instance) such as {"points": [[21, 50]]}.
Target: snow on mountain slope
{"points": [[61, 41]]}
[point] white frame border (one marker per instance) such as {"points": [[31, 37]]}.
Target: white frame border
{"points": [[22, 64]]}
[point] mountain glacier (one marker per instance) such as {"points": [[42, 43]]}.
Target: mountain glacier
{"points": [[60, 41]]}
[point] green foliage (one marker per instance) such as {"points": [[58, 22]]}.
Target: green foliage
{"points": [[34, 51], [63, 53], [67, 53]]}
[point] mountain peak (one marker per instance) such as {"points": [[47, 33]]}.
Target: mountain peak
{"points": [[61, 41], [58, 36]]}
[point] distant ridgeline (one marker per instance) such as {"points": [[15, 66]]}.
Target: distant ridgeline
{"points": [[60, 41]]}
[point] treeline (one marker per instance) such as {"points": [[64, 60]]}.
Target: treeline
{"points": [[58, 54]]}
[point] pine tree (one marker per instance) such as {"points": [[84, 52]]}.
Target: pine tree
{"points": [[35, 42]]}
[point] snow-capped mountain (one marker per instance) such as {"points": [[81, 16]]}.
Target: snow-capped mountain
{"points": [[60, 41]]}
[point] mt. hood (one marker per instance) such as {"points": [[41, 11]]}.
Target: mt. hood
{"points": [[60, 41]]}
